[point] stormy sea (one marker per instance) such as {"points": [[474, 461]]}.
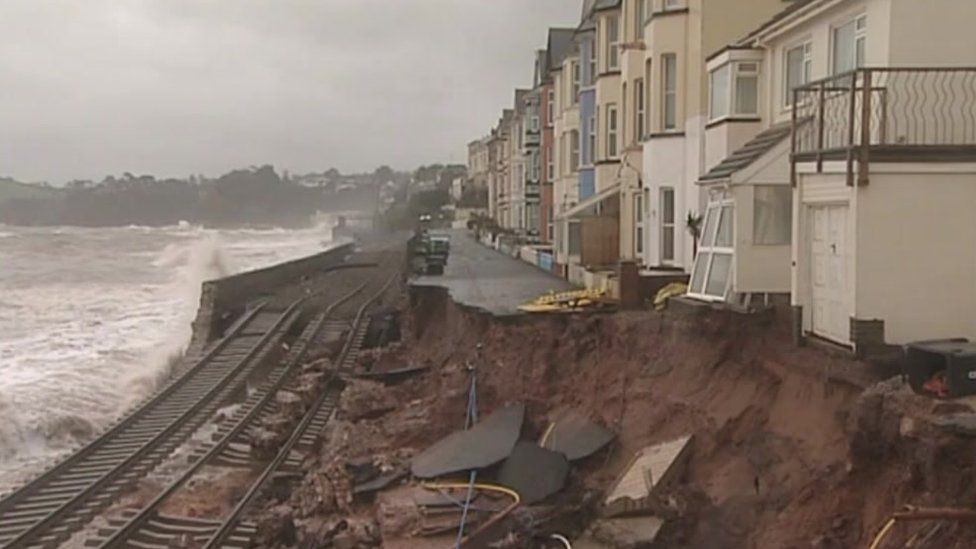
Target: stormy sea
{"points": [[89, 319]]}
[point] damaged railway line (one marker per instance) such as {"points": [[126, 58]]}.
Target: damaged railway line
{"points": [[207, 416]]}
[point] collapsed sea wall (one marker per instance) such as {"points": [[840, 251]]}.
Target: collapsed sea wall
{"points": [[224, 299]]}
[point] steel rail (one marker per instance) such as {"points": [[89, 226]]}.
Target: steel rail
{"points": [[332, 389], [148, 511], [161, 410]]}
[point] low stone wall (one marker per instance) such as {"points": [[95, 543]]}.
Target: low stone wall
{"points": [[223, 299]]}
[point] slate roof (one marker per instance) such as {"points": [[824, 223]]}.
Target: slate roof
{"points": [[560, 45], [779, 16], [749, 153]]}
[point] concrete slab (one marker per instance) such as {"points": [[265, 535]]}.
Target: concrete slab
{"points": [[651, 468], [479, 277], [575, 436], [625, 533]]}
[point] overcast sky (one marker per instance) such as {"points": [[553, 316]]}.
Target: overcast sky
{"points": [[174, 87]]}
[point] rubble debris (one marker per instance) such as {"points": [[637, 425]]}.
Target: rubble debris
{"points": [[394, 376], [378, 483], [486, 443], [575, 436], [366, 400], [652, 467], [622, 533], [534, 472], [290, 403], [277, 527]]}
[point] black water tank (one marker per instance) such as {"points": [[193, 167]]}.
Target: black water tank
{"points": [[957, 357]]}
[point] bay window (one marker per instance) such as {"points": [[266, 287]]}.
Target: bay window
{"points": [[590, 153], [734, 90], [576, 83], [574, 150], [638, 224]]}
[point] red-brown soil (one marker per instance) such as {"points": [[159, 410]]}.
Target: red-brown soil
{"points": [[788, 452]]}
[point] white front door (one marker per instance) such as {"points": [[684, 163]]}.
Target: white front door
{"points": [[830, 316]]}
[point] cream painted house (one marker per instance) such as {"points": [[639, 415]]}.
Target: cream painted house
{"points": [[677, 37], [879, 162], [566, 135]]}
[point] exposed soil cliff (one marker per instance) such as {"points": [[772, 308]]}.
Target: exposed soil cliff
{"points": [[789, 450]]}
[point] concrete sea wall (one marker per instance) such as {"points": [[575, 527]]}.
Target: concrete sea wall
{"points": [[222, 300]]}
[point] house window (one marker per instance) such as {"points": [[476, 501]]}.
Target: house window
{"points": [[612, 131], [613, 42], [711, 274], [639, 19], [575, 236], [734, 90], [576, 82], [638, 224], [848, 43], [667, 224], [639, 113], [535, 167], [772, 215], [591, 77], [648, 79], [550, 107], [534, 125], [574, 150], [720, 92], [669, 81], [550, 164], [745, 93], [590, 153], [672, 4], [799, 62]]}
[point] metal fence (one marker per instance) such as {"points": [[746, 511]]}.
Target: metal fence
{"points": [[886, 107]]}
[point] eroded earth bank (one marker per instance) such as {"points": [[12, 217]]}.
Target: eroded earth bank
{"points": [[789, 447]]}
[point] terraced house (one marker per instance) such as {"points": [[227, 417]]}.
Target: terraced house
{"points": [[811, 153]]}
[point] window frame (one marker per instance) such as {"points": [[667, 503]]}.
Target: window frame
{"points": [[708, 247], [576, 84], [664, 224], [806, 69], [550, 165], [591, 140], [638, 224], [669, 92], [592, 61], [860, 25], [550, 107], [640, 108], [612, 42], [613, 131], [574, 150], [640, 16]]}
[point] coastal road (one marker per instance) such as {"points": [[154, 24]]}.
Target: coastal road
{"points": [[480, 277]]}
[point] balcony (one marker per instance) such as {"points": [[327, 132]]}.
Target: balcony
{"points": [[886, 115]]}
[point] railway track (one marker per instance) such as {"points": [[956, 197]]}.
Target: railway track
{"points": [[149, 527], [50, 508]]}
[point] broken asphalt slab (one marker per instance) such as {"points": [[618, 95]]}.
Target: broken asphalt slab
{"points": [[534, 472], [576, 436], [487, 443]]}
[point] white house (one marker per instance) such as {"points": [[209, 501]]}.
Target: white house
{"points": [[881, 166]]}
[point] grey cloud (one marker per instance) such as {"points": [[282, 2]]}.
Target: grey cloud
{"points": [[174, 87]]}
